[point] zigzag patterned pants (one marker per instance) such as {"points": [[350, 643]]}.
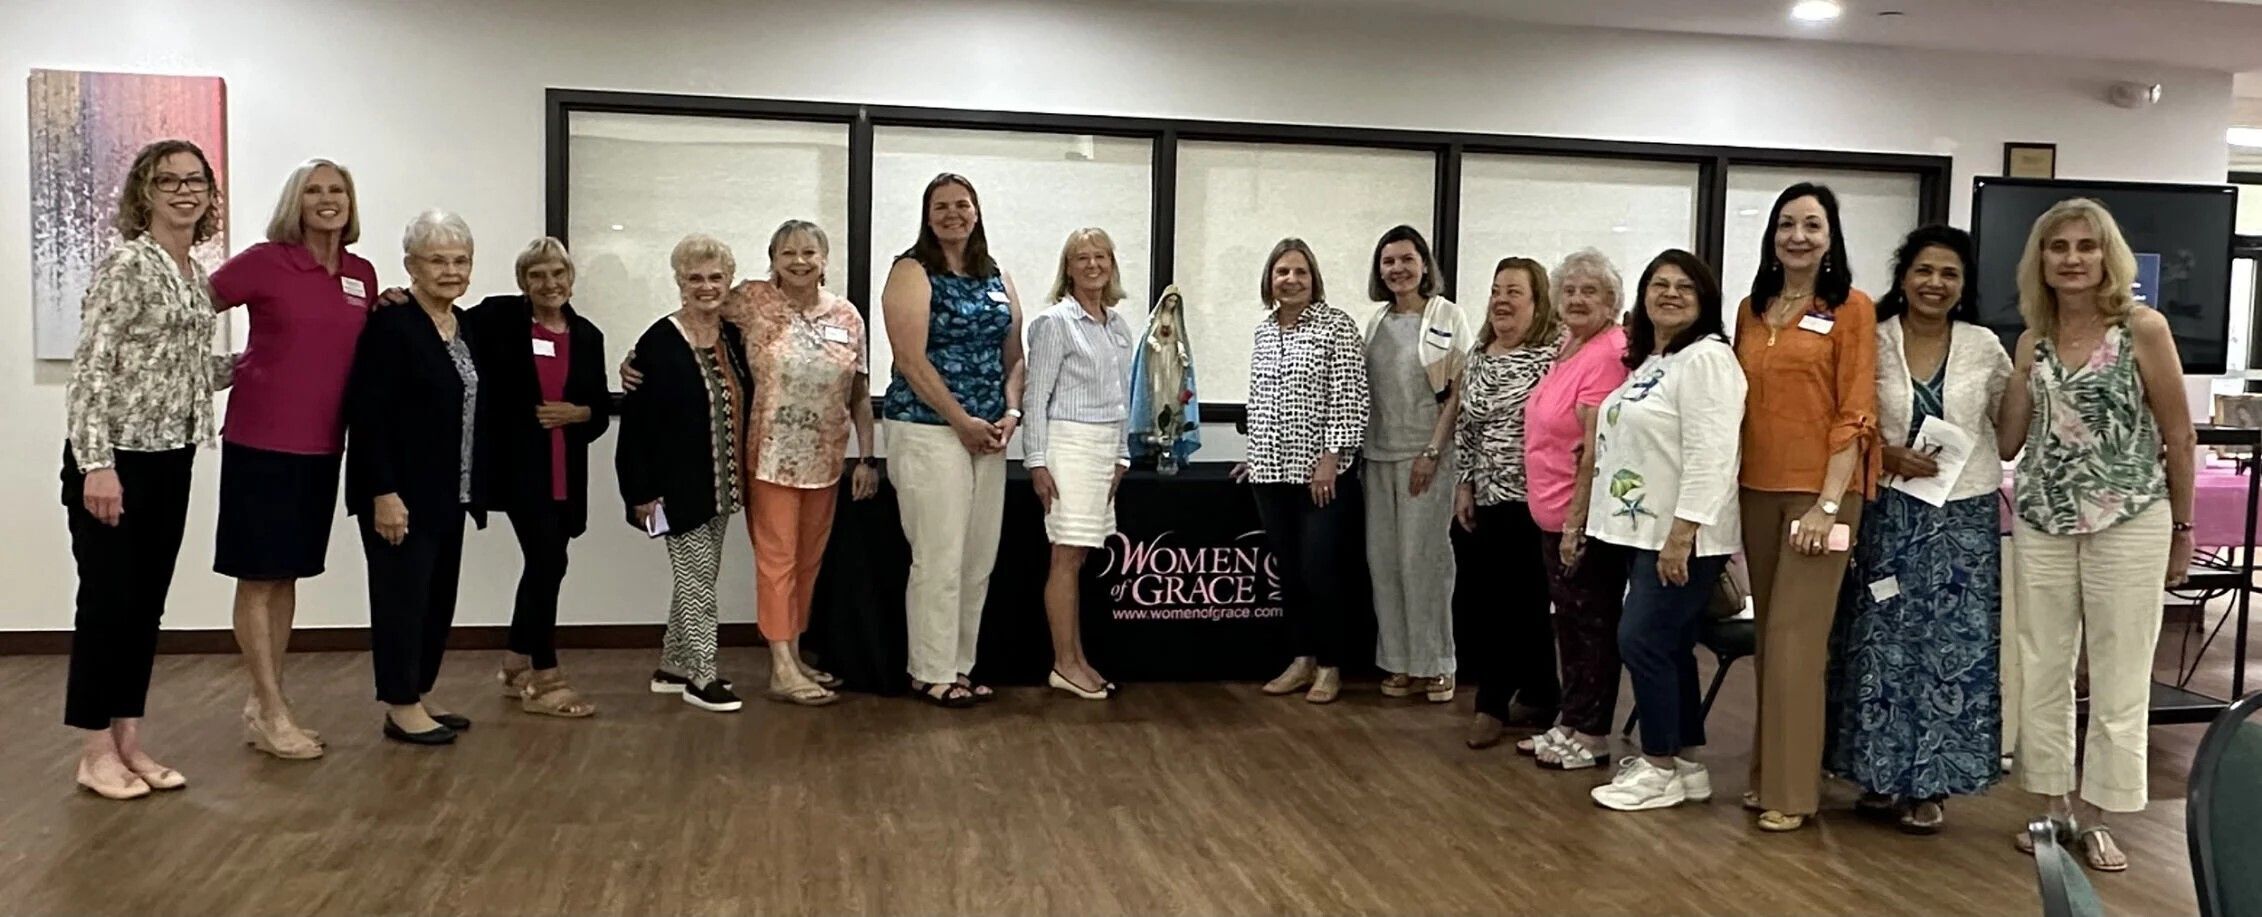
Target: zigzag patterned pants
{"points": [[695, 559]]}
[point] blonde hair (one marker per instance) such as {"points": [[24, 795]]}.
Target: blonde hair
{"points": [[288, 224], [1545, 323], [1591, 263], [542, 251], [699, 248], [786, 231], [1064, 286], [2038, 303]]}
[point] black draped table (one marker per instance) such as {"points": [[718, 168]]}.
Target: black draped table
{"points": [[1184, 592]]}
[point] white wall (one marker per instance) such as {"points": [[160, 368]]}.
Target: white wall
{"points": [[441, 104]]}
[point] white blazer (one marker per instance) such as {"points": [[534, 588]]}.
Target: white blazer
{"points": [[1977, 371], [1445, 340]]}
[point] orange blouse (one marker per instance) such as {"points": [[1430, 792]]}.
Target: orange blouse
{"points": [[1811, 390]]}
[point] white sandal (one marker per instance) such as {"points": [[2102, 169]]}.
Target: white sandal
{"points": [[1573, 755]]}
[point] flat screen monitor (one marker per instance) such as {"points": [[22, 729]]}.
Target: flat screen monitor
{"points": [[2181, 235]]}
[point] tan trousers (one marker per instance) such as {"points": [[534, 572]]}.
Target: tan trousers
{"points": [[1794, 600], [953, 504], [2104, 586]]}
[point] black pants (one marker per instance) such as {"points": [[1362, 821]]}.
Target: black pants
{"points": [[1588, 601], [124, 573], [412, 602], [1657, 638], [534, 618], [1311, 546], [1512, 645]]}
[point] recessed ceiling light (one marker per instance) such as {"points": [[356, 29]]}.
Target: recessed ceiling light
{"points": [[1816, 10], [1621, 228], [618, 227]]}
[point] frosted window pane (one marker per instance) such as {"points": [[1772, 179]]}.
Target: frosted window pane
{"points": [[640, 183], [1545, 208], [1877, 208], [1035, 190], [1236, 200], [2249, 210]]}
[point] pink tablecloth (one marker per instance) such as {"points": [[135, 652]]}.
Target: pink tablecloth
{"points": [[2218, 505]]}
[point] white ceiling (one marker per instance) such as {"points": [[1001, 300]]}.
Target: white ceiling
{"points": [[2221, 35]]}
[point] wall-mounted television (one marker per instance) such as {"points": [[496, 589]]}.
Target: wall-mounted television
{"points": [[2181, 235]]}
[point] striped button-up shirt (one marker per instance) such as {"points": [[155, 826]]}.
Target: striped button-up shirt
{"points": [[1307, 394], [1079, 371]]}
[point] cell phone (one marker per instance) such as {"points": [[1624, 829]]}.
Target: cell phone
{"points": [[1841, 536]]}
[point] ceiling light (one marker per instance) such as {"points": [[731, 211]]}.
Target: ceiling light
{"points": [[618, 227], [1621, 228], [2244, 136], [1816, 10]]}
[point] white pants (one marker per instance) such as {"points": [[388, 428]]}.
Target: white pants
{"points": [[2007, 655], [952, 503], [2105, 586]]}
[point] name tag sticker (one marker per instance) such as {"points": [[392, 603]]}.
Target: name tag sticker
{"points": [[353, 287], [999, 296], [1817, 324], [836, 334], [1885, 589], [544, 348]]}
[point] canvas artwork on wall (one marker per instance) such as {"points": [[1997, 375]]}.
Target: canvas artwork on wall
{"points": [[85, 129]]}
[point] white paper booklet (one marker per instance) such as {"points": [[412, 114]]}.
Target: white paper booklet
{"points": [[1950, 447]]}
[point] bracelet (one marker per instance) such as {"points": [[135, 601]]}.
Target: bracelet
{"points": [[2181, 528], [1431, 453], [1014, 413], [869, 461]]}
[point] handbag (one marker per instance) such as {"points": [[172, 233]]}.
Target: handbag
{"points": [[1731, 591]]}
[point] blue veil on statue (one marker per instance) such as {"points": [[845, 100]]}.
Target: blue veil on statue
{"points": [[1166, 415]]}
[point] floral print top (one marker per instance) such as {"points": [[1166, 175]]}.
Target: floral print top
{"points": [[2093, 448], [722, 411], [1665, 448], [1488, 437], [967, 320], [805, 364], [143, 375]]}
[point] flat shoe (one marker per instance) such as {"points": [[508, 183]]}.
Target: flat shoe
{"points": [[1062, 683], [437, 735], [163, 778], [809, 695], [825, 680], [1779, 823], [133, 788], [455, 721]]}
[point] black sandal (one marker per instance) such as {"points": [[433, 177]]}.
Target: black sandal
{"points": [[953, 696], [1877, 806], [982, 693], [1909, 824]]}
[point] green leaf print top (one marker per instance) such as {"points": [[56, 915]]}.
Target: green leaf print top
{"points": [[2092, 448]]}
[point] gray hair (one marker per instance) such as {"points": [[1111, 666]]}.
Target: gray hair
{"points": [[288, 223], [699, 248], [1589, 264], [543, 251], [434, 228]]}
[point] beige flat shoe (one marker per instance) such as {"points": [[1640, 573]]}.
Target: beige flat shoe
{"points": [[132, 788], [1296, 678], [161, 778], [1779, 823], [1327, 685]]}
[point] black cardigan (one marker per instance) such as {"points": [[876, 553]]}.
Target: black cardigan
{"points": [[404, 417], [666, 449], [518, 448]]}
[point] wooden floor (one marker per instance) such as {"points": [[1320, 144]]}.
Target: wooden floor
{"points": [[1174, 799]]}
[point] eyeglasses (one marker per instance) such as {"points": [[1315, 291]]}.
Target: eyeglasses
{"points": [[445, 262], [173, 184]]}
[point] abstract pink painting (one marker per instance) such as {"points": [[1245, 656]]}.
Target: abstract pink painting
{"points": [[85, 129]]}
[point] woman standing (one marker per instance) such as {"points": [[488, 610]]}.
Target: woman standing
{"points": [[1808, 343], [1415, 348], [679, 460], [1307, 417], [140, 403], [1515, 655], [2095, 398], [285, 435], [811, 384], [544, 370], [1075, 447], [1915, 688], [954, 326], [1587, 582], [412, 405], [1666, 454]]}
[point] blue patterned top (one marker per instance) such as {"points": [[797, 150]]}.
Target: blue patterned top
{"points": [[967, 320]]}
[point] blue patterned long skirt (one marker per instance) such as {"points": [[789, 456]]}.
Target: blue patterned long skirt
{"points": [[1915, 691]]}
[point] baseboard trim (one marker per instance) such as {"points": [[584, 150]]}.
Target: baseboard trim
{"points": [[356, 639]]}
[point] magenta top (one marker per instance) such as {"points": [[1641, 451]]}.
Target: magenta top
{"points": [[1552, 431], [290, 386]]}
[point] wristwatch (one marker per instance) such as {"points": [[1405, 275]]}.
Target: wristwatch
{"points": [[869, 461], [1829, 507], [1430, 452], [1014, 413]]}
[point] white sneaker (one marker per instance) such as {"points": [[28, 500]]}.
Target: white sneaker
{"points": [[1639, 787], [1694, 778]]}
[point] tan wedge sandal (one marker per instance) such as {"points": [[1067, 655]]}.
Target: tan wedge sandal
{"points": [[549, 695]]}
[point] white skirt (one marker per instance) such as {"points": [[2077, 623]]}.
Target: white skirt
{"points": [[1081, 457]]}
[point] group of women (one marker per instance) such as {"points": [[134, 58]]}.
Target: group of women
{"points": [[1627, 460], [1622, 456]]}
